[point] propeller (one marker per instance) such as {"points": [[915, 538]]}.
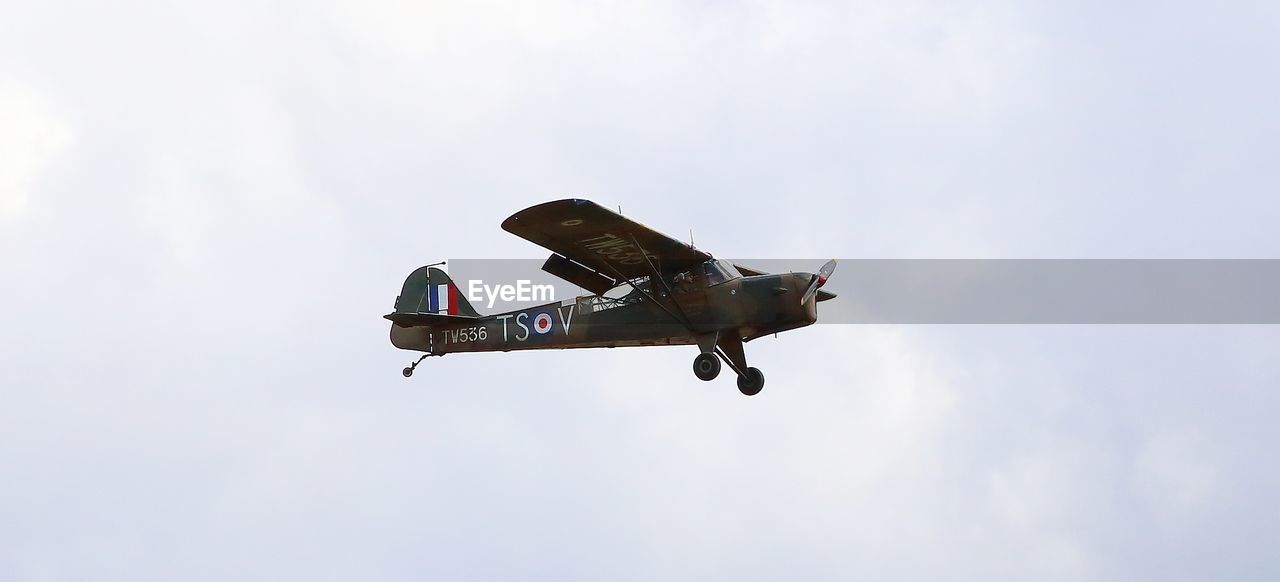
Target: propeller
{"points": [[819, 280]]}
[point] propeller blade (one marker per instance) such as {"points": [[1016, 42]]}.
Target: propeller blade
{"points": [[811, 291], [819, 280]]}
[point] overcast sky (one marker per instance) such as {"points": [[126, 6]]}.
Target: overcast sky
{"points": [[205, 210]]}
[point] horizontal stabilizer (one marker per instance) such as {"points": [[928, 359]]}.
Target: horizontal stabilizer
{"points": [[428, 319]]}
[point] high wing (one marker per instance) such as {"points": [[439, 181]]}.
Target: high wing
{"points": [[602, 241]]}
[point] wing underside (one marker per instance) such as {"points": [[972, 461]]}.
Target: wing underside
{"points": [[603, 243]]}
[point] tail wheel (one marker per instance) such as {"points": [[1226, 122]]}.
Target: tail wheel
{"points": [[752, 382], [706, 366]]}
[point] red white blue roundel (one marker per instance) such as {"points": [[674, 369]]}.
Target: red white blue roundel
{"points": [[542, 323]]}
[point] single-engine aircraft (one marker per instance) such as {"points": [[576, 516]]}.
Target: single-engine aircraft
{"points": [[676, 295]]}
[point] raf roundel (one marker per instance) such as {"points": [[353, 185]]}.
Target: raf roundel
{"points": [[542, 323]]}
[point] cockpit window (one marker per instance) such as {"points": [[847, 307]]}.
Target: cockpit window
{"points": [[718, 272]]}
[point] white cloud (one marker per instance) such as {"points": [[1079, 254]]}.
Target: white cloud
{"points": [[196, 381], [32, 136], [1176, 471]]}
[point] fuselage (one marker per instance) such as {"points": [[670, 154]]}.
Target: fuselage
{"points": [[649, 315]]}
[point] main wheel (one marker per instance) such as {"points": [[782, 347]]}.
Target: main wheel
{"points": [[407, 372], [752, 382], [706, 366]]}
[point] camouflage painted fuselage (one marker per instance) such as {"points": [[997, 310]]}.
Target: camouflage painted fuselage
{"points": [[747, 307]]}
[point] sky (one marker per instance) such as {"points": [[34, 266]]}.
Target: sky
{"points": [[205, 208]]}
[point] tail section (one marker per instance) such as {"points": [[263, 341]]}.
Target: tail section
{"points": [[430, 290]]}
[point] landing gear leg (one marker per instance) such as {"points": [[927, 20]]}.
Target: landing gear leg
{"points": [[409, 370], [750, 380]]}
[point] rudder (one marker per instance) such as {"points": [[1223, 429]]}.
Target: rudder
{"points": [[430, 290]]}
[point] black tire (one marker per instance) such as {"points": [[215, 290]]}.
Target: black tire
{"points": [[706, 367], [752, 382], [407, 372]]}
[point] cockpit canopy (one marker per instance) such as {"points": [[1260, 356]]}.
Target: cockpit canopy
{"points": [[715, 272], [718, 272]]}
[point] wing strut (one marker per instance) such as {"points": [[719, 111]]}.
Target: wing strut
{"points": [[648, 296], [730, 350], [655, 274]]}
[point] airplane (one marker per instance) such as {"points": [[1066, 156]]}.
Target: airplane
{"points": [[675, 294]]}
